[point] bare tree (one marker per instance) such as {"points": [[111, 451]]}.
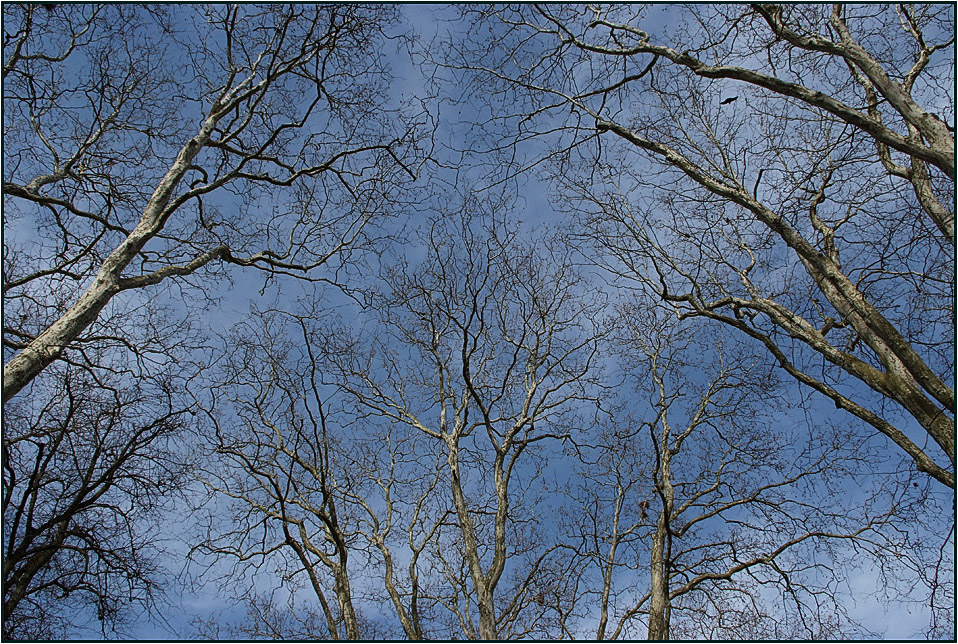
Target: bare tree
{"points": [[146, 144], [696, 514], [394, 485], [147, 149], [274, 477], [308, 487], [486, 349], [782, 170], [84, 474], [399, 467]]}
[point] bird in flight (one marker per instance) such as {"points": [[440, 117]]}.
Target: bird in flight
{"points": [[730, 99]]}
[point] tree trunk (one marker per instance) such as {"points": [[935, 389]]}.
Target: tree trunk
{"points": [[659, 607], [344, 596], [47, 347], [487, 615], [484, 595], [410, 623]]}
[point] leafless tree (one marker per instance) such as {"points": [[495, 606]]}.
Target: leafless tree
{"points": [[150, 144], [306, 489], [274, 478], [486, 340], [695, 513], [146, 149], [485, 348], [784, 170], [86, 470], [394, 486], [764, 180]]}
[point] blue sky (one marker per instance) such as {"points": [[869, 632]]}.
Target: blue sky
{"points": [[532, 196]]}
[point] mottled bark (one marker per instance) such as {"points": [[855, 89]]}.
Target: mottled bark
{"points": [[484, 584], [659, 582], [48, 346], [660, 601]]}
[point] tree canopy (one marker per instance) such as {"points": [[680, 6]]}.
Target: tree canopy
{"points": [[506, 322]]}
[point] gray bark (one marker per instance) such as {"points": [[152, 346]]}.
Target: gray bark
{"points": [[50, 344]]}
